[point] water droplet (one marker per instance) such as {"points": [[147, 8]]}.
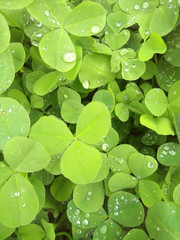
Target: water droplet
{"points": [[156, 102], [173, 211], [116, 213], [121, 161], [23, 204], [158, 229], [78, 222], [136, 7], [126, 69], [105, 146], [118, 24], [47, 12], [85, 222], [150, 165], [103, 229], [95, 29], [89, 193], [44, 48], [174, 92], [69, 57], [39, 24], [118, 234], [87, 215], [134, 66], [8, 3], [85, 84], [164, 152], [172, 152], [3, 112], [77, 212], [39, 35], [166, 148], [65, 96], [146, 31], [145, 4]]}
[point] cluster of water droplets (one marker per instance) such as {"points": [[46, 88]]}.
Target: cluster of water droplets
{"points": [[145, 5], [168, 151]]}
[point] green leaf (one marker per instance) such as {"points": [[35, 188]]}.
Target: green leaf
{"points": [[116, 40], [47, 82], [18, 55], [5, 232], [50, 13], [150, 192], [106, 97], [67, 93], [176, 194], [53, 167], [12, 112], [132, 69], [168, 154], [101, 48], [4, 33], [122, 111], [86, 19], [161, 221], [80, 163], [164, 18], [25, 155], [15, 4], [120, 181], [93, 123], [126, 209], [156, 101], [95, 71], [19, 202], [89, 197], [151, 70], [85, 220], [51, 51], [117, 21], [154, 44], [5, 173], [71, 110], [141, 165], [118, 157], [31, 231], [7, 70], [109, 230], [136, 234], [52, 133], [138, 7], [48, 227], [160, 125], [61, 188]]}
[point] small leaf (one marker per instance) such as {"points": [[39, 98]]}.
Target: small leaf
{"points": [[4, 33]]}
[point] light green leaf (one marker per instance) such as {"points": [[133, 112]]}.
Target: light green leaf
{"points": [[176, 194], [85, 220], [52, 133], [7, 70], [18, 55], [116, 40], [120, 181], [80, 163], [150, 192], [141, 165], [65, 93], [5, 173], [126, 209], [12, 112], [122, 111], [136, 234], [15, 4], [61, 188], [156, 101], [31, 231], [106, 97], [4, 33], [5, 232], [168, 154], [50, 13], [25, 155], [51, 51], [160, 125], [89, 197], [161, 221], [93, 123], [86, 19], [71, 110], [117, 21], [49, 228], [19, 202], [154, 44], [47, 82], [95, 70]]}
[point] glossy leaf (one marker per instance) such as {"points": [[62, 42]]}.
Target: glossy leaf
{"points": [[4, 33]]}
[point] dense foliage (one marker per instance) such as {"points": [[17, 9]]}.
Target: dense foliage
{"points": [[89, 120]]}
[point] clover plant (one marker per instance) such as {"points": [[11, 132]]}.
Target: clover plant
{"points": [[89, 120]]}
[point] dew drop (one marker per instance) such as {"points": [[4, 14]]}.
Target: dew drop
{"points": [[126, 69], [69, 57], [65, 96], [23, 204], [85, 84], [116, 213], [146, 31], [172, 152], [78, 222], [77, 212], [118, 234], [89, 193], [118, 24], [47, 13], [39, 24], [103, 229], [39, 35], [44, 48], [145, 4], [95, 29], [150, 165], [105, 146], [85, 222], [136, 7]]}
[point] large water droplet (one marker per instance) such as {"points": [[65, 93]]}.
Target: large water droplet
{"points": [[172, 152], [105, 146], [95, 29], [69, 57], [85, 84], [103, 229], [136, 7], [47, 13], [118, 24], [150, 165], [85, 222]]}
